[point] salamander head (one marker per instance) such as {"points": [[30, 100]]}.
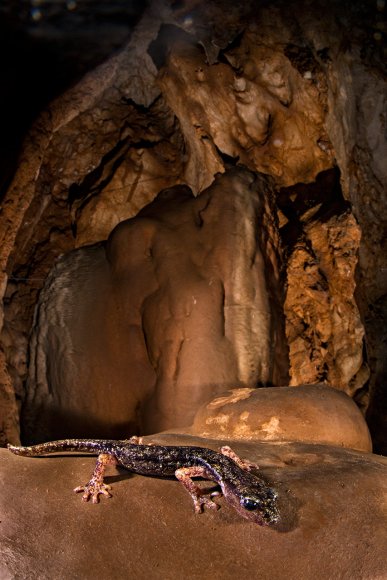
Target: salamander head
{"points": [[255, 501], [261, 508]]}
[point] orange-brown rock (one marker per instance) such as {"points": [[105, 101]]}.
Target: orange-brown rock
{"points": [[323, 324], [287, 89], [308, 414], [175, 309], [271, 116], [333, 520]]}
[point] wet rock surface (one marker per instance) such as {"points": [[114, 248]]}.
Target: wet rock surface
{"points": [[332, 503]]}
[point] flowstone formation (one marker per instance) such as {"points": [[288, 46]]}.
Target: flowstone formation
{"points": [[180, 304], [294, 92]]}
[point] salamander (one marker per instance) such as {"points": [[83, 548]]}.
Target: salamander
{"points": [[247, 493]]}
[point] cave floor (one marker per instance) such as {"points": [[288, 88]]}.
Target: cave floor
{"points": [[333, 525]]}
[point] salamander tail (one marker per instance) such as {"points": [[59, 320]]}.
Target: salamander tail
{"points": [[14, 449], [31, 451], [93, 446]]}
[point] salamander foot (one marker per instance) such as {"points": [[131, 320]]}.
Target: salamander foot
{"points": [[96, 486], [242, 463], [200, 501], [184, 474], [93, 489]]}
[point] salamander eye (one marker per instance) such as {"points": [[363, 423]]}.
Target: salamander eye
{"points": [[250, 504]]}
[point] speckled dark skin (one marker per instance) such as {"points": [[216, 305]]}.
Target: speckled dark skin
{"points": [[250, 495]]}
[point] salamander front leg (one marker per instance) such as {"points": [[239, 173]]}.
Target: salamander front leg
{"points": [[184, 474], [242, 463], [96, 486]]}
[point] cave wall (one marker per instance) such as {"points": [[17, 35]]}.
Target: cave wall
{"points": [[289, 91], [136, 334]]}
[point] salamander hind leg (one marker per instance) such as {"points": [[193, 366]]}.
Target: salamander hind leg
{"points": [[96, 486], [244, 464], [135, 440], [184, 474]]}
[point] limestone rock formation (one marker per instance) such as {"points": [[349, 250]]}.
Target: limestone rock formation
{"points": [[202, 209], [324, 329], [308, 414], [296, 91], [181, 304]]}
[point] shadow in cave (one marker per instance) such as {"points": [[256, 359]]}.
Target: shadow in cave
{"points": [[168, 39], [305, 202], [46, 48], [64, 424]]}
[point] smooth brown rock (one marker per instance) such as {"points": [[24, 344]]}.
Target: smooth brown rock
{"points": [[309, 414], [333, 506]]}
